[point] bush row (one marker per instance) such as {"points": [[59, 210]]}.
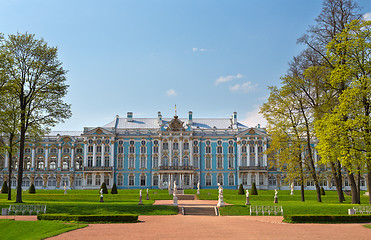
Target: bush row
{"points": [[327, 218], [122, 218]]}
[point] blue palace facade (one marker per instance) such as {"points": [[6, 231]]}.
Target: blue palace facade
{"points": [[150, 153]]}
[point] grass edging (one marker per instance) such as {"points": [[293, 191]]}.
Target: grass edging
{"points": [[327, 218], [114, 218]]}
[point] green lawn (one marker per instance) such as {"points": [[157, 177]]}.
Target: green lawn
{"points": [[28, 230]]}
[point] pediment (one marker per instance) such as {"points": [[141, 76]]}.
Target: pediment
{"points": [[253, 131], [175, 125], [98, 131]]}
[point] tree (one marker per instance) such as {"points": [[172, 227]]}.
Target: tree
{"points": [[104, 188], [32, 189], [4, 188], [253, 190], [36, 80], [241, 191], [114, 189]]}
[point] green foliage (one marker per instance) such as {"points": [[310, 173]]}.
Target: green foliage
{"points": [[119, 218], [32, 189], [104, 187], [114, 189], [30, 230], [327, 218], [323, 191], [241, 191], [254, 190], [4, 188]]}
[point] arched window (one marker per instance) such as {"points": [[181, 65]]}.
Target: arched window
{"points": [[175, 161], [142, 180], [89, 180], [52, 182], [65, 163], [195, 161], [208, 162], [231, 179], [39, 182], [165, 161], [26, 182], [155, 161], [244, 161], [244, 179], [220, 179], [186, 161], [97, 180], [120, 180], [143, 161], [220, 161], [208, 180]]}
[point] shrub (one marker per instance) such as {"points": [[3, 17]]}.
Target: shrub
{"points": [[322, 191], [326, 218], [32, 189], [118, 218], [4, 188], [114, 189], [104, 187], [253, 191], [241, 191]]}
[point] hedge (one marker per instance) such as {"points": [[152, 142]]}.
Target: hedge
{"points": [[118, 218], [327, 218]]}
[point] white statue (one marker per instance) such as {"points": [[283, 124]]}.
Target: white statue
{"points": [[65, 188], [247, 193], [292, 188], [220, 197], [169, 186], [175, 189], [275, 193], [198, 185], [101, 192], [220, 189], [140, 193], [147, 191]]}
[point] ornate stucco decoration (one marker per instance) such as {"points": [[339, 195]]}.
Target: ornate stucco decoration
{"points": [[175, 125]]}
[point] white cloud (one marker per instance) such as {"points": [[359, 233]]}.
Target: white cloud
{"points": [[223, 79], [171, 92], [199, 50], [367, 16], [253, 118], [244, 87]]}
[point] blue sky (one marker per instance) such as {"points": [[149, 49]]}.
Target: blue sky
{"points": [[207, 56]]}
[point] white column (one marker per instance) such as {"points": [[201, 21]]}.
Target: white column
{"points": [[191, 152], [170, 153], [33, 157], [159, 153], [111, 156], [94, 154], [238, 153], [46, 156], [72, 156], [59, 156], [85, 154], [265, 155], [256, 154], [257, 179], [180, 152], [103, 158], [248, 154]]}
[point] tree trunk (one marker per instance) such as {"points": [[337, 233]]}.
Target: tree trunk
{"points": [[10, 156], [369, 182], [302, 182], [336, 174], [21, 156], [353, 188], [359, 185]]}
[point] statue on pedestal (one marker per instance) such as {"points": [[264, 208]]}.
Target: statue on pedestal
{"points": [[101, 195], [147, 198], [198, 187], [140, 197], [65, 188], [247, 197], [275, 196], [220, 197], [175, 198]]}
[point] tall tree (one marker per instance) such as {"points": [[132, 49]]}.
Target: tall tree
{"points": [[36, 79]]}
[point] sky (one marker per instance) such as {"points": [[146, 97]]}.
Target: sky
{"points": [[210, 57]]}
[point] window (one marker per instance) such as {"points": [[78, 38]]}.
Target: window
{"points": [[107, 141], [13, 182], [142, 180], [165, 146], [231, 161], [272, 181], [77, 182], [120, 180], [66, 150], [243, 142], [54, 151], [175, 161], [131, 162], [155, 162], [220, 162], [155, 142], [143, 142], [99, 149], [78, 163], [165, 161], [208, 142], [52, 182], [131, 180], [260, 160], [143, 149], [195, 161], [53, 165], [261, 179], [219, 149], [155, 149], [220, 179], [252, 160], [231, 180], [208, 149], [90, 161], [26, 182], [90, 149], [208, 180], [98, 161], [131, 149], [99, 141], [195, 149], [121, 142], [243, 149], [143, 161], [362, 182], [121, 149], [244, 161], [106, 179], [230, 149], [155, 180], [260, 149], [310, 183], [106, 161], [40, 150], [323, 183], [208, 162], [253, 179], [78, 150], [106, 148], [131, 142], [65, 163], [120, 162], [186, 146], [244, 179], [175, 146], [252, 149], [90, 141], [89, 180], [38, 182], [186, 161], [27, 150], [97, 180]]}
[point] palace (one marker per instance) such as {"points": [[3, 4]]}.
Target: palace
{"points": [[151, 153]]}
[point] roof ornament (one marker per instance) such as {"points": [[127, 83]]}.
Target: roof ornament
{"points": [[175, 110]]}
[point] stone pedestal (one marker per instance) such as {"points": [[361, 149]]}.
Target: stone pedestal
{"points": [[175, 201], [275, 200], [220, 202], [147, 198], [247, 201], [198, 191], [65, 191], [140, 201], [101, 198]]}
